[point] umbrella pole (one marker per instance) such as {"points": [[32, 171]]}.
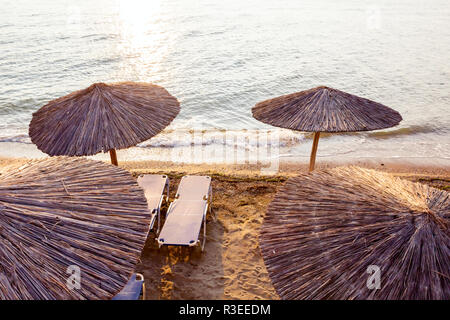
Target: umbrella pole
{"points": [[312, 160], [113, 156]]}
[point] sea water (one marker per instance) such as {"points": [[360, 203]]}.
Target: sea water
{"points": [[219, 58]]}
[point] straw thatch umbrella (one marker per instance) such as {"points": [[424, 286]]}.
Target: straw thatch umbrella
{"points": [[324, 109], [102, 117], [324, 231], [63, 212]]}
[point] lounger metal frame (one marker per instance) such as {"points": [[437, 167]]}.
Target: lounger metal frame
{"points": [[167, 188], [141, 278]]}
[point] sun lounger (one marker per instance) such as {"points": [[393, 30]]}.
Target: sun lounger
{"points": [[154, 187], [133, 289], [187, 212]]}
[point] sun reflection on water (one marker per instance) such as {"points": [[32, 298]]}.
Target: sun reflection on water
{"points": [[144, 43]]}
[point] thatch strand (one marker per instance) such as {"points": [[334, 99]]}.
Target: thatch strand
{"points": [[324, 229], [102, 117], [69, 211], [325, 109]]}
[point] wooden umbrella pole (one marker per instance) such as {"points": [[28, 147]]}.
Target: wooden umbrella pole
{"points": [[113, 155], [312, 160]]}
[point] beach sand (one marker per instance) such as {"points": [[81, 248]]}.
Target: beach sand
{"points": [[231, 267]]}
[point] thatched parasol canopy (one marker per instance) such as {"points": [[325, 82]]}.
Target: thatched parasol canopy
{"points": [[102, 117], [325, 229], [63, 212], [324, 109]]}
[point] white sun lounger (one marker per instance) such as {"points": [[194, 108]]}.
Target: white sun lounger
{"points": [[154, 187], [187, 212]]}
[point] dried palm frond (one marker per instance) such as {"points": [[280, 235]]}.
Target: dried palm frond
{"points": [[102, 117], [324, 229], [324, 109], [61, 212]]}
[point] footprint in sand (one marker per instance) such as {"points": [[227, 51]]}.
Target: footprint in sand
{"points": [[243, 277], [262, 277], [245, 286], [247, 236]]}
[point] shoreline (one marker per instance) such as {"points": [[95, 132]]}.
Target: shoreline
{"points": [[226, 155], [400, 167]]}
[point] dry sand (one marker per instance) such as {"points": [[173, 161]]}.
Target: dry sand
{"points": [[231, 267]]}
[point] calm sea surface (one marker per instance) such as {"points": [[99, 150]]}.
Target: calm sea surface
{"points": [[219, 58]]}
